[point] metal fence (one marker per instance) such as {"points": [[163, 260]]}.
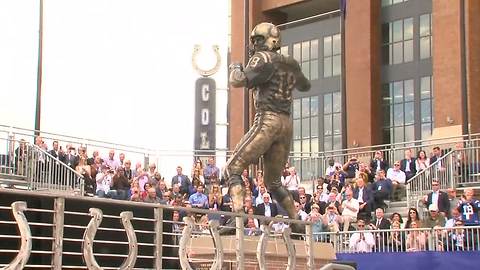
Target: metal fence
{"points": [[310, 165], [27, 166], [43, 230], [457, 238]]}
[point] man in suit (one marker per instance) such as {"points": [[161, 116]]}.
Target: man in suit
{"points": [[407, 165], [380, 223], [364, 197], [183, 181], [439, 198], [56, 152], [378, 163], [267, 208], [71, 157]]}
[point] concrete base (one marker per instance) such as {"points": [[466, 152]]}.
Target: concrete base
{"points": [[202, 253]]}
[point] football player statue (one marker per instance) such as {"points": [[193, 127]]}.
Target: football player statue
{"points": [[273, 77]]}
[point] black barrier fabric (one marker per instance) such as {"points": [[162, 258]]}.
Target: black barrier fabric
{"points": [[414, 260]]}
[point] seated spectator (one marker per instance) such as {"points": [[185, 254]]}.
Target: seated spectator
{"points": [[248, 203], [183, 181], [350, 208], [302, 192], [398, 179], [267, 208], [422, 161], [336, 180], [152, 196], [321, 193], [380, 223], [450, 223], [300, 212], [364, 197], [291, 182], [128, 170], [416, 240], [378, 163], [135, 195], [259, 198], [351, 167], [304, 203], [437, 197], [365, 173], [215, 197], [251, 228], [199, 199], [145, 188], [142, 178], [434, 218], [407, 165], [197, 178], [382, 189], [396, 217], [413, 216], [152, 169], [121, 159], [104, 183], [211, 173], [258, 181], [397, 238], [332, 218], [279, 226], [110, 161], [469, 207], [457, 239], [247, 180], [362, 241], [332, 167], [318, 226], [202, 225], [120, 184], [161, 188]]}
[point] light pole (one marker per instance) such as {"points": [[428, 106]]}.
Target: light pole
{"points": [[38, 106]]}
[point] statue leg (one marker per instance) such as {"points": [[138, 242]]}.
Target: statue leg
{"points": [[253, 145]]}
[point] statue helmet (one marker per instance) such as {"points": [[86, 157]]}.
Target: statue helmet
{"points": [[265, 36]]}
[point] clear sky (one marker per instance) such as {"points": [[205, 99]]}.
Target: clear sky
{"points": [[113, 70]]}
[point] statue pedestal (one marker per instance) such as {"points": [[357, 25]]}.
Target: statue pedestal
{"points": [[201, 252]]}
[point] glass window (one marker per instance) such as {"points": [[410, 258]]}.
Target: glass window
{"points": [[314, 126], [306, 125], [425, 30], [397, 41], [337, 102], [399, 117], [314, 49], [296, 129], [314, 70], [332, 121], [327, 103], [327, 46], [297, 51], [327, 125], [332, 51], [296, 109], [314, 105], [306, 51], [386, 3], [327, 67], [284, 50]]}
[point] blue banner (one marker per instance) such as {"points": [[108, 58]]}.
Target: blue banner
{"points": [[414, 260]]}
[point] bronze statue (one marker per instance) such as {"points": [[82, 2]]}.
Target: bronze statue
{"points": [[273, 77]]}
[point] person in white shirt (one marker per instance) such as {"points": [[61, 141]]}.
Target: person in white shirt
{"points": [[302, 214], [350, 208], [291, 182], [361, 241], [332, 167], [397, 177], [104, 182]]}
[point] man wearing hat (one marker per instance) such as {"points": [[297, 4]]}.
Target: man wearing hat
{"points": [[435, 218]]}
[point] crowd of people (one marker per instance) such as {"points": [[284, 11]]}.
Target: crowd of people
{"points": [[349, 196]]}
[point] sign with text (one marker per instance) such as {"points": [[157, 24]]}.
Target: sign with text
{"points": [[205, 115]]}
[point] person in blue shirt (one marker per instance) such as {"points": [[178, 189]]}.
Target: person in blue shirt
{"points": [[382, 189], [198, 199], [469, 208]]}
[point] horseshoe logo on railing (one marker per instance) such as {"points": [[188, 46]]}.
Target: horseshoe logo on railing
{"points": [[182, 245], [25, 237], [205, 73], [217, 244], [262, 246], [91, 230]]}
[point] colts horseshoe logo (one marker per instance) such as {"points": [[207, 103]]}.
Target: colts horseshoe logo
{"points": [[209, 72]]}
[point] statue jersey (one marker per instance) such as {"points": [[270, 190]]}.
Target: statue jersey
{"points": [[273, 77]]}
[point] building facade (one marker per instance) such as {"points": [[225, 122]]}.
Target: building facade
{"points": [[384, 71]]}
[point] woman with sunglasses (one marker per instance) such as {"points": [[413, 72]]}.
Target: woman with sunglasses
{"points": [[412, 217]]}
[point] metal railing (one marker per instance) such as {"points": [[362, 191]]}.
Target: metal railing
{"points": [[457, 238], [442, 170], [27, 166], [68, 232]]}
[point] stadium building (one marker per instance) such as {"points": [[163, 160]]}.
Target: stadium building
{"points": [[382, 71]]}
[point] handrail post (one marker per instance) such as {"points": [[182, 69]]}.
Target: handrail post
{"points": [[158, 213], [58, 223], [239, 237], [309, 246]]}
